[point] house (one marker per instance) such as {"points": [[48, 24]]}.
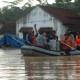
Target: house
{"points": [[60, 20]]}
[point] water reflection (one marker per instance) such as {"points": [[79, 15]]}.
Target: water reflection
{"points": [[14, 66], [11, 65], [53, 68]]}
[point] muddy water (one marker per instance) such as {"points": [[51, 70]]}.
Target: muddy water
{"points": [[13, 66]]}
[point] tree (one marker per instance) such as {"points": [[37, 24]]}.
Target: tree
{"points": [[66, 4], [11, 14], [62, 1], [29, 2], [77, 5]]}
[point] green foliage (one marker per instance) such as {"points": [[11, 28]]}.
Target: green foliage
{"points": [[11, 13], [62, 1], [66, 4], [77, 5]]}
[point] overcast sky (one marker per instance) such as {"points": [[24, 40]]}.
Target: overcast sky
{"points": [[2, 4]]}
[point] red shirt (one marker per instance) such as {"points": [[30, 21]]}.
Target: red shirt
{"points": [[34, 39], [78, 40]]}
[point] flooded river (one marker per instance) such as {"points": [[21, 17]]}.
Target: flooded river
{"points": [[14, 66]]}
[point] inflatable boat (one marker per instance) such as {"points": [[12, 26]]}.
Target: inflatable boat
{"points": [[37, 51]]}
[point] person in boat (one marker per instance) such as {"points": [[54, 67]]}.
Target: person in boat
{"points": [[78, 40], [67, 44], [52, 43], [41, 40], [34, 36], [54, 35], [29, 38], [72, 35]]}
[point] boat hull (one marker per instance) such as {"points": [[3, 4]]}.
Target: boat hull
{"points": [[31, 53], [36, 51]]}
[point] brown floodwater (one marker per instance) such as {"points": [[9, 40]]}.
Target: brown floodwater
{"points": [[14, 66]]}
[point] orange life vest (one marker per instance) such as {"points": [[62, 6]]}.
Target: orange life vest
{"points": [[68, 42], [78, 40]]}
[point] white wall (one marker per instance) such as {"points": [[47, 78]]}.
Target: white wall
{"points": [[1, 25], [19, 24], [61, 29], [42, 19]]}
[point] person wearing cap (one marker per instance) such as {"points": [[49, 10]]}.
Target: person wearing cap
{"points": [[67, 44]]}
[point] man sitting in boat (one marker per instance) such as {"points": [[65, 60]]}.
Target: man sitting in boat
{"points": [[78, 41], [41, 40], [54, 35], [52, 43], [29, 37], [67, 44], [52, 40]]}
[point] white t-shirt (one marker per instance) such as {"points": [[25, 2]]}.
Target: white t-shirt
{"points": [[52, 44]]}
